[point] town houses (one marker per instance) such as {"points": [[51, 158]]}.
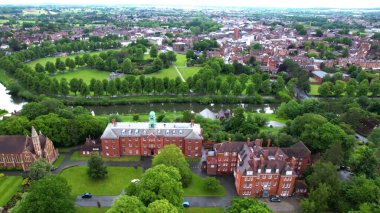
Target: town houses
{"points": [[259, 171], [18, 151], [146, 138]]}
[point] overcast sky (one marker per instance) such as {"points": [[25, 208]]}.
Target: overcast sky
{"points": [[250, 3]]}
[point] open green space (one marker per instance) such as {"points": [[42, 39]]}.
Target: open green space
{"points": [[81, 209], [270, 117], [113, 184], [314, 89], [59, 160], [144, 117], [203, 210], [8, 187], [188, 71], [2, 21], [170, 72], [4, 78], [273, 131], [83, 73], [77, 157], [196, 188], [181, 60]]}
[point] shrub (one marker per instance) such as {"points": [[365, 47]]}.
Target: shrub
{"points": [[211, 184]]}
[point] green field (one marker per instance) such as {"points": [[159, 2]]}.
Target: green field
{"points": [[170, 72], [116, 180], [314, 89], [270, 117], [4, 78], [59, 160], [188, 71], [77, 157], [8, 187], [83, 73], [203, 210], [144, 117], [90, 209], [181, 60], [196, 188]]}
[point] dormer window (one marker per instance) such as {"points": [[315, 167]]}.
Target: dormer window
{"points": [[136, 131], [144, 132], [180, 132], [167, 132], [249, 173], [159, 131], [174, 132]]}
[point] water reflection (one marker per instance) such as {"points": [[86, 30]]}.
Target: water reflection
{"points": [[8, 102]]}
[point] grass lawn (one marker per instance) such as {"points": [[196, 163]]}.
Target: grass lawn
{"points": [[81, 209], [314, 89], [274, 131], [59, 160], [83, 73], [4, 78], [77, 157], [116, 180], [144, 117], [203, 210], [188, 71], [196, 189], [181, 60], [170, 72], [8, 187], [270, 117]]}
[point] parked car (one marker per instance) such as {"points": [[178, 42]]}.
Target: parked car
{"points": [[274, 198], [87, 195], [186, 204]]}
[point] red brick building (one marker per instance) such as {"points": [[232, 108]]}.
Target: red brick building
{"points": [[259, 171], [147, 138], [21, 151]]}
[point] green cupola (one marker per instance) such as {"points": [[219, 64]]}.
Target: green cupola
{"points": [[152, 119]]}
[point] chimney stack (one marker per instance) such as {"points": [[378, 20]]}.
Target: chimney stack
{"points": [[268, 143], [192, 122], [114, 121], [229, 139], [248, 140]]}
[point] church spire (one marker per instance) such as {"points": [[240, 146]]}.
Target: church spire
{"points": [[36, 142]]}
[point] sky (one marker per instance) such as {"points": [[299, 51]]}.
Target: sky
{"points": [[190, 3]]}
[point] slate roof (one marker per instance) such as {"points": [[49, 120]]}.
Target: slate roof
{"points": [[206, 113], [12, 144], [141, 129]]}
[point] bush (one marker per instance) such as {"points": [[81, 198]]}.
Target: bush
{"points": [[2, 175], [211, 184]]}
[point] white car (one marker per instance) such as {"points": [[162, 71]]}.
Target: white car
{"points": [[135, 180]]}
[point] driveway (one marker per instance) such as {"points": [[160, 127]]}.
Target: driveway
{"points": [[287, 205]]}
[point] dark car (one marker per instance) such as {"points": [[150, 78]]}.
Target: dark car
{"points": [[186, 204], [274, 198], [87, 195]]}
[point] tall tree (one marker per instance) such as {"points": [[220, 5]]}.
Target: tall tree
{"points": [[74, 85], [96, 168], [64, 87], [49, 194], [39, 68], [127, 204], [39, 169], [153, 51], [171, 155], [161, 206], [247, 205]]}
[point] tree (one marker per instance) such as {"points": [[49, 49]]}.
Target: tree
{"points": [[237, 88], [84, 90], [64, 87], [70, 63], [187, 116], [99, 63], [171, 155], [98, 88], [211, 184], [161, 206], [375, 88], [153, 52], [190, 55], [363, 88], [74, 85], [127, 204], [113, 65], [318, 199], [148, 87], [96, 168], [339, 88], [60, 65], [39, 68], [157, 64], [50, 67], [160, 182], [159, 86], [363, 161], [374, 137], [323, 173], [39, 169], [111, 88], [351, 87], [247, 205], [326, 89], [49, 194], [137, 88], [266, 87], [15, 125]]}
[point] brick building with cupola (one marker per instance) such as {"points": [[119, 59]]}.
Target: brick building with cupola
{"points": [[258, 171], [17, 151], [147, 138]]}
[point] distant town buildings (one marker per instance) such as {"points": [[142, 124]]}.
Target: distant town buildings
{"points": [[259, 171], [147, 138], [17, 151]]}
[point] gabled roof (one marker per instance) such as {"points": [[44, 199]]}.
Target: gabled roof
{"points": [[12, 144], [206, 113], [193, 136]]}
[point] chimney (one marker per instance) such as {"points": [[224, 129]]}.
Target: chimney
{"points": [[268, 143], [248, 140], [229, 139], [259, 142], [114, 122], [192, 122]]}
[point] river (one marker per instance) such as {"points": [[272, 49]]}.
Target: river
{"points": [[11, 103], [8, 102]]}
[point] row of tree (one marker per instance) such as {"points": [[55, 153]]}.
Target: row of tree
{"points": [[351, 88]]}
